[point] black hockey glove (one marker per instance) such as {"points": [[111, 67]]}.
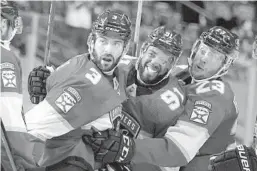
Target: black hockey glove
{"points": [[37, 84], [110, 146], [241, 158]]}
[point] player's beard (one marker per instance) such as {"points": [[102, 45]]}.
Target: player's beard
{"points": [[148, 74], [105, 62]]}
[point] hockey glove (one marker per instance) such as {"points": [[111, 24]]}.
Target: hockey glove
{"points": [[240, 159], [37, 84], [110, 146]]}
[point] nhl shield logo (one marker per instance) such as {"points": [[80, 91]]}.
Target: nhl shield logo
{"points": [[9, 79], [65, 102]]}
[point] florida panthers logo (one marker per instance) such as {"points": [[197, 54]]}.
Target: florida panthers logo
{"points": [[201, 112], [68, 99], [9, 78]]}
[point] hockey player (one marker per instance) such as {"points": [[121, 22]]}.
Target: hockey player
{"points": [[11, 87], [11, 93], [80, 91], [156, 99], [149, 86], [205, 126]]}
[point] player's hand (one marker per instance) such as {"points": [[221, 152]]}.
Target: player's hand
{"points": [[241, 158], [110, 146], [37, 84]]}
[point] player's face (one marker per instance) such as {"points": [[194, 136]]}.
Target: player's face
{"points": [[207, 62], [107, 52], [7, 32], [154, 64]]}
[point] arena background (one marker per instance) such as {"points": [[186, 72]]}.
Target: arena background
{"points": [[73, 20]]}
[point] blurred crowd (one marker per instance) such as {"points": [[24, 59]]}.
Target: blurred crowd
{"points": [[74, 20]]}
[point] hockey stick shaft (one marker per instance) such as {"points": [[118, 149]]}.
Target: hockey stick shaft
{"points": [[254, 48], [137, 28], [6, 145], [49, 32]]}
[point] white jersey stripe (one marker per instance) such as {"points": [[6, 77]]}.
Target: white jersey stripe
{"points": [[10, 112], [44, 122], [188, 137]]}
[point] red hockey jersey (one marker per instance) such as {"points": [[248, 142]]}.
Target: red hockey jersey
{"points": [[203, 129], [79, 96], [11, 113], [154, 107]]}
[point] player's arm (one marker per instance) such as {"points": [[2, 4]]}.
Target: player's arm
{"points": [[11, 95], [43, 120], [37, 80], [182, 141]]}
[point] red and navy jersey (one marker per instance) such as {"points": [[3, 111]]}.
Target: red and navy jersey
{"points": [[203, 129], [79, 96], [154, 107], [11, 113], [211, 107], [11, 73]]}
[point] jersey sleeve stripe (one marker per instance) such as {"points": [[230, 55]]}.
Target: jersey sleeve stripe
{"points": [[11, 94], [143, 134], [44, 122], [188, 137], [11, 112], [169, 168], [101, 124]]}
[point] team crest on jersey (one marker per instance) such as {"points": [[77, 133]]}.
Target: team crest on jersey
{"points": [[6, 65], [130, 124], [126, 123], [201, 112], [115, 113], [68, 99], [9, 78]]}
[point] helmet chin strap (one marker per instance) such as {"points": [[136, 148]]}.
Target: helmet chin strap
{"points": [[218, 73]]}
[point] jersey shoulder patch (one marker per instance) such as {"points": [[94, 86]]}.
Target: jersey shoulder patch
{"points": [[210, 99], [11, 74]]}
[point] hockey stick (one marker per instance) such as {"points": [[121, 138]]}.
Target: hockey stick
{"points": [[49, 32], [6, 145], [136, 40], [254, 48], [137, 28]]}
